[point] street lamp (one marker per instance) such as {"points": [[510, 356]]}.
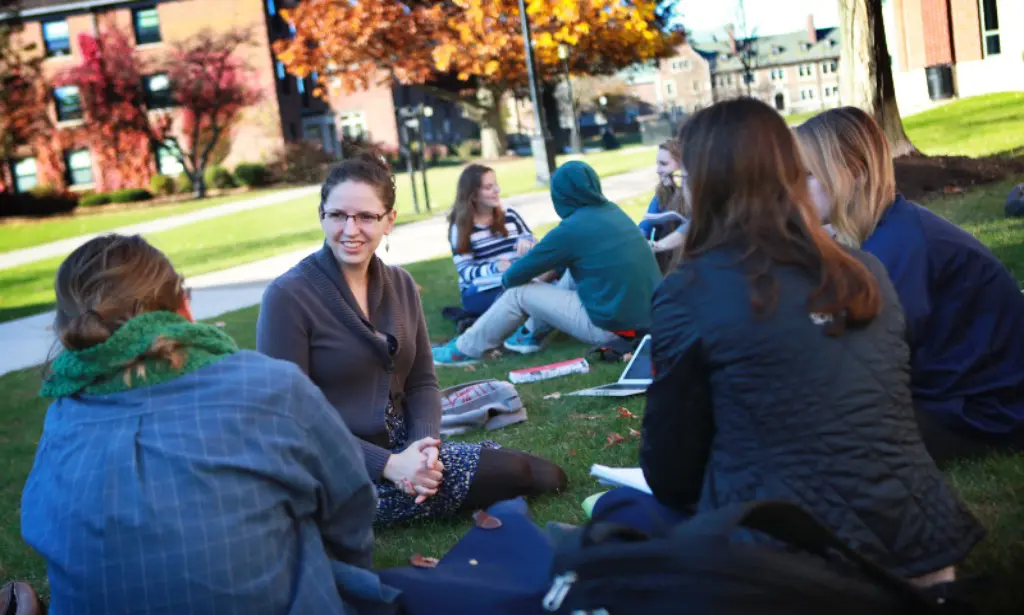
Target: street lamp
{"points": [[574, 138], [426, 111], [540, 140]]}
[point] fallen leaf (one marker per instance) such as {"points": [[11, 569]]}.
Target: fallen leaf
{"points": [[471, 368], [485, 521], [613, 439], [625, 413], [473, 562], [583, 417], [634, 433], [572, 452], [419, 289], [494, 354], [952, 189], [422, 561], [626, 358], [554, 395]]}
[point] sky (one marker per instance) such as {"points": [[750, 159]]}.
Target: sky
{"points": [[768, 16]]}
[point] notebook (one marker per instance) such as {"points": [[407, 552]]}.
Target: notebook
{"points": [[634, 379], [620, 477]]}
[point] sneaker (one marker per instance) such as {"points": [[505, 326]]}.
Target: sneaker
{"points": [[449, 356], [524, 341]]}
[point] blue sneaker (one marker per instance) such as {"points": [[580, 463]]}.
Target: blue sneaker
{"points": [[449, 356], [524, 341]]}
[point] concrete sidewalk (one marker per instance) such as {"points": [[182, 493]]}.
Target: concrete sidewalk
{"points": [[63, 247], [27, 341]]}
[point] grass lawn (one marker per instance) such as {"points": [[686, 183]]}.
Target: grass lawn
{"points": [[571, 431], [977, 126], [25, 232], [220, 243]]}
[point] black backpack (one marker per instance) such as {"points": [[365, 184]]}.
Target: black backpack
{"points": [[697, 569]]}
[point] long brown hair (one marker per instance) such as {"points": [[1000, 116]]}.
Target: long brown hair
{"points": [[848, 153], [467, 198], [748, 188], [109, 280], [668, 195]]}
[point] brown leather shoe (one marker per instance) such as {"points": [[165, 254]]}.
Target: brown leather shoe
{"points": [[18, 598]]}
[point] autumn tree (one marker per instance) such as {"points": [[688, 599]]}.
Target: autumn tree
{"points": [[867, 69], [207, 87], [23, 93], [468, 51]]}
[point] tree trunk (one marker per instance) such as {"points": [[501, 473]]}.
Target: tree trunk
{"points": [[486, 111], [198, 184], [867, 69]]}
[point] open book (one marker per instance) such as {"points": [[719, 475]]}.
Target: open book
{"points": [[620, 477]]}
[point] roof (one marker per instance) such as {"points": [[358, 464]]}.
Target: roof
{"points": [[775, 50], [33, 8]]}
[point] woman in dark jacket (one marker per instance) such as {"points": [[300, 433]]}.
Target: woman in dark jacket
{"points": [[781, 367]]}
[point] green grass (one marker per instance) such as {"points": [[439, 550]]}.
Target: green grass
{"points": [[27, 232], [977, 126], [220, 243], [795, 119], [571, 431]]}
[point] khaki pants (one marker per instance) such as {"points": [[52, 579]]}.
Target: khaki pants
{"points": [[548, 306]]}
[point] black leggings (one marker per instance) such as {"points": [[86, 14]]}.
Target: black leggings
{"points": [[504, 474], [947, 446]]}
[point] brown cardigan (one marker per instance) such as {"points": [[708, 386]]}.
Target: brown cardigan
{"points": [[309, 317]]}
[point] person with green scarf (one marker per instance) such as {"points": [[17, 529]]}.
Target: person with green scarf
{"points": [[179, 474], [610, 276]]}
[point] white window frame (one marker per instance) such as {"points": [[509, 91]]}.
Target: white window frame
{"points": [[20, 185], [986, 34], [71, 170], [679, 66], [670, 89], [351, 119], [165, 152]]}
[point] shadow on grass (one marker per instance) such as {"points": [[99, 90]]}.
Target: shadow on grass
{"points": [[24, 311]]}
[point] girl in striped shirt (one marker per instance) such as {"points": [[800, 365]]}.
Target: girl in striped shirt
{"points": [[485, 237]]}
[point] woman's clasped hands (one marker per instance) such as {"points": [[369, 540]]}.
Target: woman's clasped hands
{"points": [[417, 470]]}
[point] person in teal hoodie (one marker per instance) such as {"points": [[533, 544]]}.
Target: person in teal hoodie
{"points": [[610, 276]]}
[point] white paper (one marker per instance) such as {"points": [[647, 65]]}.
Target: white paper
{"points": [[620, 477]]}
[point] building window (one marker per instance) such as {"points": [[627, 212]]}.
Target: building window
{"points": [[778, 74], [829, 67], [696, 86], [56, 38], [147, 25], [69, 103], [670, 88], [25, 177], [680, 65], [79, 166], [353, 124], [807, 94], [167, 162], [158, 91], [990, 27], [806, 70], [728, 79]]}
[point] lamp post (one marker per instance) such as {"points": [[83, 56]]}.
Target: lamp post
{"points": [[540, 140], [574, 137], [425, 111], [409, 121]]}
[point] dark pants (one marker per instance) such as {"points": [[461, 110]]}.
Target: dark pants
{"points": [[476, 304], [947, 446]]}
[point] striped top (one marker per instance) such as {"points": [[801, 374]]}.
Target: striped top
{"points": [[478, 270]]}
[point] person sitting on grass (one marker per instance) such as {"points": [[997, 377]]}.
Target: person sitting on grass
{"points": [[666, 233], [357, 327], [964, 309], [179, 474], [485, 238], [781, 369], [611, 275]]}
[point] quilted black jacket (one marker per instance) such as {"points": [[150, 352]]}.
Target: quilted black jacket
{"points": [[747, 408]]}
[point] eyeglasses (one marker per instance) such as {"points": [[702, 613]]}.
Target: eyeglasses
{"points": [[363, 218]]}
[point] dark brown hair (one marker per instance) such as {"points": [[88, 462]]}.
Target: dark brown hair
{"points": [[669, 197], [748, 185], [108, 281], [367, 167], [467, 197]]}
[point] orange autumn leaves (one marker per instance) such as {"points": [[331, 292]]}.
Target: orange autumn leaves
{"points": [[357, 44]]}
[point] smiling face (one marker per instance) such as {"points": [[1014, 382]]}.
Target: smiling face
{"points": [[664, 165], [354, 221], [488, 196]]}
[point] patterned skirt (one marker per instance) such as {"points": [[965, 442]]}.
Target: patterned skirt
{"points": [[460, 461]]}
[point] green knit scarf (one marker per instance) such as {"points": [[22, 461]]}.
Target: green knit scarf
{"points": [[101, 368]]}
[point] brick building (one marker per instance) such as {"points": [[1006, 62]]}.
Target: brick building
{"points": [[287, 112], [793, 72], [968, 47]]}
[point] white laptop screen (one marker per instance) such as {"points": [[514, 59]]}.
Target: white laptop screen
{"points": [[639, 368]]}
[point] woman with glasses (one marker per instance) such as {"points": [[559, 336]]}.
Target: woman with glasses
{"points": [[356, 326], [667, 218]]}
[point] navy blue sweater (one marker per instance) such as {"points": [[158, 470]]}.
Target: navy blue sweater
{"points": [[965, 320]]}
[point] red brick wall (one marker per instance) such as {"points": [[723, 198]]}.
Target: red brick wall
{"points": [[923, 32], [377, 104]]}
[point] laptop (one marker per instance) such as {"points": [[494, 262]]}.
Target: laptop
{"points": [[634, 379]]}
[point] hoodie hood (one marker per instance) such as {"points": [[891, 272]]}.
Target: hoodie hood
{"points": [[575, 184]]}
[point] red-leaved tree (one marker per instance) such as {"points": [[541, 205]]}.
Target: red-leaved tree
{"points": [[209, 86], [24, 113]]}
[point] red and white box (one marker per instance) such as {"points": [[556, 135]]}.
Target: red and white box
{"points": [[546, 372]]}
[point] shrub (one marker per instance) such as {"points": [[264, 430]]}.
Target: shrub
{"points": [[129, 195], [252, 175], [468, 149], [162, 185], [218, 177], [92, 200], [18, 204], [303, 162], [183, 183]]}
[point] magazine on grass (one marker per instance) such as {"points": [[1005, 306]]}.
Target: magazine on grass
{"points": [[620, 477]]}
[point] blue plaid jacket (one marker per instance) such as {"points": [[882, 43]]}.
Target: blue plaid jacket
{"points": [[236, 488]]}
